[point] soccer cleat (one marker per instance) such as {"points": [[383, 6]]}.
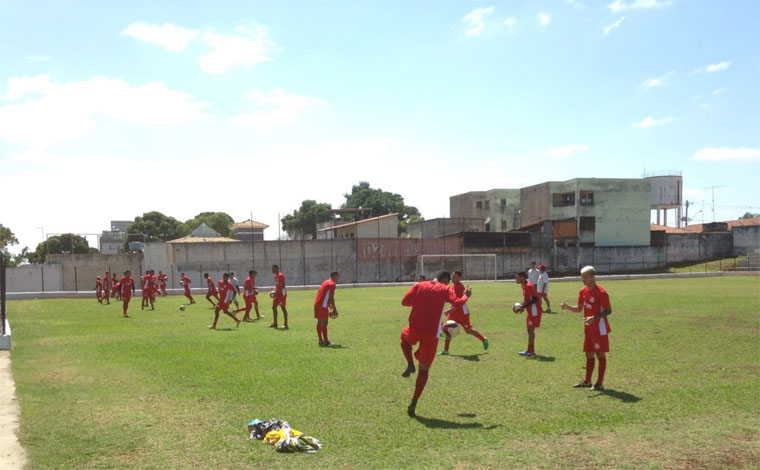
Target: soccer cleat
{"points": [[445, 352], [523, 353], [548, 310], [485, 344], [410, 410], [285, 327], [582, 384], [597, 388], [530, 355], [327, 344], [321, 343], [409, 371], [273, 325]]}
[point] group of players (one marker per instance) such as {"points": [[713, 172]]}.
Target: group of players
{"points": [[427, 300]]}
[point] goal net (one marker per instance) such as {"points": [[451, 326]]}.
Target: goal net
{"points": [[473, 267]]}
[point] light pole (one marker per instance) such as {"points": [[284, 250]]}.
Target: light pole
{"points": [[42, 231]]}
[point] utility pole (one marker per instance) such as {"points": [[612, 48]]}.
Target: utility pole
{"points": [[687, 214], [712, 188]]}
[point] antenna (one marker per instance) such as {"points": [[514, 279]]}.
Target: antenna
{"points": [[712, 188]]}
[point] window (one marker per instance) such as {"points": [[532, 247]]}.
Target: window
{"points": [[587, 198], [587, 224], [487, 205], [503, 203], [488, 227], [503, 225], [563, 199], [478, 205]]}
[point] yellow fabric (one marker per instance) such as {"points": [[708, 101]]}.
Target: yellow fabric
{"points": [[273, 437]]}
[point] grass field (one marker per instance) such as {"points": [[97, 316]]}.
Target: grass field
{"points": [[159, 390]]}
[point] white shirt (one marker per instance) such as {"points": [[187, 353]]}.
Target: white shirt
{"points": [[543, 280], [234, 281], [533, 276]]}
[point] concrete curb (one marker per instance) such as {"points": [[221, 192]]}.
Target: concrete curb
{"points": [[5, 340], [12, 455]]}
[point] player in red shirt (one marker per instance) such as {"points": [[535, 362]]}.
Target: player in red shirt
{"points": [[147, 291], [162, 278], [126, 288], [225, 297], [99, 290], [115, 293], [594, 302], [211, 289], [249, 295], [324, 305], [107, 288], [427, 300], [533, 307], [185, 282], [279, 297], [461, 315]]}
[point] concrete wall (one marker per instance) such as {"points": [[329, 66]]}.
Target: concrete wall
{"points": [[622, 210], [435, 228], [382, 227], [79, 272], [535, 202], [503, 217], [35, 278], [746, 239]]}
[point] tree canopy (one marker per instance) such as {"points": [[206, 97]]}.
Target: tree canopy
{"points": [[66, 243], [219, 221], [7, 239], [381, 202], [750, 215], [303, 221], [153, 227]]}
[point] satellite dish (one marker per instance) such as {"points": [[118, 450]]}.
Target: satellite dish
{"points": [[487, 221]]}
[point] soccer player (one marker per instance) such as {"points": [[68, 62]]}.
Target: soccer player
{"points": [[107, 288], [594, 302], [211, 289], [324, 303], [533, 274], [225, 296], [115, 292], [542, 288], [147, 291], [185, 281], [162, 278], [533, 306], [234, 281], [460, 315], [249, 295], [126, 289], [280, 297], [99, 290], [427, 300]]}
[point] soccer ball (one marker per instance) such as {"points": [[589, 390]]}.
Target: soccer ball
{"points": [[333, 314], [516, 307], [451, 327], [182, 307], [272, 294]]}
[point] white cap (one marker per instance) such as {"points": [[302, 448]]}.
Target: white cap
{"points": [[588, 269]]}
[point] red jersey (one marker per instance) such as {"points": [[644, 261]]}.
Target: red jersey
{"points": [[248, 287], [147, 283], [107, 283], [593, 301], [279, 285], [186, 282], [114, 280], [529, 291], [458, 289], [427, 300], [162, 278], [211, 286], [98, 286], [126, 284], [325, 293], [226, 290]]}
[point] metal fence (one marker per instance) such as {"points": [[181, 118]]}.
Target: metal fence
{"points": [[2, 293]]}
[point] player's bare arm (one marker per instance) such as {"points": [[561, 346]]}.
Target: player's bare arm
{"points": [[572, 308]]}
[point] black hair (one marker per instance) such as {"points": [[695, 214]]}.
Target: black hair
{"points": [[205, 274], [334, 273], [251, 272], [458, 273], [276, 266], [440, 275], [521, 273]]}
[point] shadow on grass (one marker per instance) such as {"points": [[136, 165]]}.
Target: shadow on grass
{"points": [[544, 358], [435, 423], [622, 396], [335, 346], [467, 415], [469, 357]]}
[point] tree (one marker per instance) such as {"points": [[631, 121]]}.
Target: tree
{"points": [[153, 227], [7, 239], [381, 202], [303, 221], [219, 221], [64, 244], [749, 215]]}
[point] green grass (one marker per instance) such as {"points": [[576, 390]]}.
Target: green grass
{"points": [[724, 264], [161, 391]]}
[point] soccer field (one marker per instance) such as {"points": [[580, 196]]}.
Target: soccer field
{"points": [[159, 390]]}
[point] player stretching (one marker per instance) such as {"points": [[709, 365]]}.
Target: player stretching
{"points": [[185, 281], [279, 297], [126, 289], [427, 300], [324, 303], [460, 315], [107, 287], [249, 295], [533, 305], [99, 290], [211, 289], [225, 296], [594, 302]]}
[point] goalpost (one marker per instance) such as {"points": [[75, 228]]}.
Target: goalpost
{"points": [[473, 267]]}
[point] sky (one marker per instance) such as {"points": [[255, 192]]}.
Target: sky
{"points": [[112, 109]]}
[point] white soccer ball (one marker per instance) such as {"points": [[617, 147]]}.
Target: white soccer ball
{"points": [[451, 327], [272, 294], [182, 307], [516, 307]]}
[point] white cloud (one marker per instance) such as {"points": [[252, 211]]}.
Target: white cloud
{"points": [[475, 21], [566, 150], [718, 154], [247, 48], [613, 25], [713, 67], [170, 37], [656, 82], [705, 106], [276, 107], [510, 21], [43, 112], [543, 19], [619, 5], [651, 122], [719, 91], [38, 58]]}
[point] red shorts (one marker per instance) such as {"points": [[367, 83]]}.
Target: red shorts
{"points": [[212, 294], [223, 305], [596, 343], [321, 313], [280, 300], [428, 345], [533, 321], [147, 293], [250, 300], [459, 317], [126, 298], [541, 295]]}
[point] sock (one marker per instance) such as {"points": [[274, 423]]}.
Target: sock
{"points": [[479, 336], [422, 377], [319, 333], [590, 368], [530, 347], [602, 367], [407, 349], [447, 343], [324, 333]]}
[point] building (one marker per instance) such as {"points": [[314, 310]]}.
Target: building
{"points": [[591, 211], [249, 230], [203, 234], [385, 226], [111, 242], [498, 208], [441, 227], [667, 194]]}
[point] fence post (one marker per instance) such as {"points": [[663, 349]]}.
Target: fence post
{"points": [[42, 276], [2, 292], [76, 280]]}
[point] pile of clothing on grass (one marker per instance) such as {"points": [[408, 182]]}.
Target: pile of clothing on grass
{"points": [[284, 438]]}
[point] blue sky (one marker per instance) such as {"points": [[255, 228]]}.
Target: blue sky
{"points": [[111, 109]]}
